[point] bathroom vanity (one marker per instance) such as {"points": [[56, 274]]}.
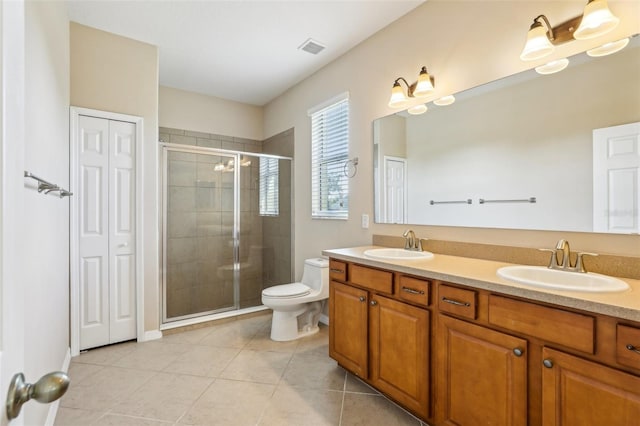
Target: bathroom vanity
{"points": [[455, 344]]}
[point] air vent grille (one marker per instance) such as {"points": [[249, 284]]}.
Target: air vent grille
{"points": [[312, 47]]}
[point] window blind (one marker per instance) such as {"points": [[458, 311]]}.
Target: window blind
{"points": [[329, 153], [269, 197]]}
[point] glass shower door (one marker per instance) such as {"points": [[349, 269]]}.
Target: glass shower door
{"points": [[200, 234]]}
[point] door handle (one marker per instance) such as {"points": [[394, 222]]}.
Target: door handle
{"points": [[49, 388]]}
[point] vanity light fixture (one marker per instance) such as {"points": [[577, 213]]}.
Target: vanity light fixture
{"points": [[597, 20], [421, 88], [417, 109], [539, 39], [542, 38], [445, 100], [608, 48], [553, 66]]}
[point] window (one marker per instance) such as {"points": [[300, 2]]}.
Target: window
{"points": [[329, 154], [269, 201]]}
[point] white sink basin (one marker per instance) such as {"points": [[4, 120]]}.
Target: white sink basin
{"points": [[397, 254], [540, 276]]}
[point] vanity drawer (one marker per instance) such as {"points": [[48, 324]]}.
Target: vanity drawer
{"points": [[337, 270], [413, 290], [457, 301], [373, 279], [553, 325], [628, 346]]}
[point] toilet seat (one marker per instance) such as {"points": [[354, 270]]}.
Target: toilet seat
{"points": [[287, 290]]}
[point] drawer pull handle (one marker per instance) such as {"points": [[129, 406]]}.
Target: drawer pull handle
{"points": [[455, 302], [412, 291], [362, 298], [337, 271], [547, 363], [374, 303], [518, 352], [633, 348]]}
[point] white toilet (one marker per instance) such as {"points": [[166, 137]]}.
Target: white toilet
{"points": [[297, 306]]}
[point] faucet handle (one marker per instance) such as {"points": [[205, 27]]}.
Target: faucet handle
{"points": [[579, 262], [553, 260]]}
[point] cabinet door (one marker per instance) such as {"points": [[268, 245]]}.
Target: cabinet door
{"points": [[348, 327], [580, 392], [399, 350], [482, 375]]}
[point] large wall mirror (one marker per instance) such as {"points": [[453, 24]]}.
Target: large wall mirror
{"points": [[546, 152]]}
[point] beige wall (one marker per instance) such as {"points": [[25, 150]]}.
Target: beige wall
{"points": [[463, 44], [45, 236], [201, 113], [117, 74]]}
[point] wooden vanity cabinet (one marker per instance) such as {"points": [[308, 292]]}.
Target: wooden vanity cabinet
{"points": [[497, 359], [381, 338], [580, 392], [481, 375], [348, 327], [522, 362], [399, 352]]}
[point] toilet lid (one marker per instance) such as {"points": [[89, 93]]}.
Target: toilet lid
{"points": [[287, 290]]}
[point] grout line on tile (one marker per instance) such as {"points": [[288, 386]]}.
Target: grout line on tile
{"points": [[137, 417], [344, 392]]}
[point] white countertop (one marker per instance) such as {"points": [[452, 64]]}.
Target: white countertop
{"points": [[481, 274]]}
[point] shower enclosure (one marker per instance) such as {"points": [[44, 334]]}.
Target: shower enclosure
{"points": [[226, 229]]}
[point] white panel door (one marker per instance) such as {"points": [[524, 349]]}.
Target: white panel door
{"points": [[94, 231], [107, 231], [616, 179], [122, 219], [395, 190]]}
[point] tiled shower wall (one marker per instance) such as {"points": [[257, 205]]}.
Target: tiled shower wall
{"points": [[200, 223], [276, 230]]}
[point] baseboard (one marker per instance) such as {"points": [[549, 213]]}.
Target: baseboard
{"points": [[151, 335], [53, 407], [324, 319]]}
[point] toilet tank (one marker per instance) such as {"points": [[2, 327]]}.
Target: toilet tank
{"points": [[316, 274]]}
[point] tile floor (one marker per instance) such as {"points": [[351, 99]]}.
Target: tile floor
{"points": [[227, 374]]}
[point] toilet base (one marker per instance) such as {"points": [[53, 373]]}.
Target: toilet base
{"points": [[284, 324], [278, 336]]}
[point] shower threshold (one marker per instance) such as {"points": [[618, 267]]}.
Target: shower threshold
{"points": [[212, 317]]}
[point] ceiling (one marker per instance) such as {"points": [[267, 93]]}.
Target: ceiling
{"points": [[246, 51]]}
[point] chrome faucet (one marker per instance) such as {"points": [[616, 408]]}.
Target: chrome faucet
{"points": [[563, 247], [411, 242]]}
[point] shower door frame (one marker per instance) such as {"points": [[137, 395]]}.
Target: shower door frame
{"points": [[165, 147]]}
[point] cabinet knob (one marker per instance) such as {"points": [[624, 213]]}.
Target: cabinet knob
{"points": [[362, 298], [518, 352], [547, 363], [374, 303]]}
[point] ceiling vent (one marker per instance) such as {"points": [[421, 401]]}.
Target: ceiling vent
{"points": [[311, 46]]}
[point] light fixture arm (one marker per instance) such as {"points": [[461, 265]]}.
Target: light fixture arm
{"points": [[410, 87], [537, 22], [561, 33]]}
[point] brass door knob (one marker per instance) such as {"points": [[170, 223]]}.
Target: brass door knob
{"points": [[49, 388]]}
